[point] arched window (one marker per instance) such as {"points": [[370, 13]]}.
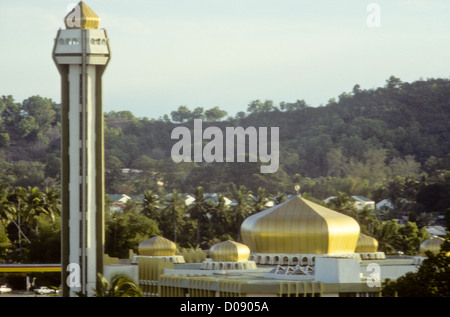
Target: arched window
{"points": [[304, 261], [75, 42]]}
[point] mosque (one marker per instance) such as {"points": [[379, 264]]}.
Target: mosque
{"points": [[296, 248]]}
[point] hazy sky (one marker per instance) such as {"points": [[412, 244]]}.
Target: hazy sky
{"points": [[226, 53]]}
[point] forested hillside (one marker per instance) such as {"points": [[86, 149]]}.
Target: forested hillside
{"points": [[386, 143], [355, 144]]}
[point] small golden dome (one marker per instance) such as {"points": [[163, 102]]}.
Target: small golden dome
{"points": [[82, 17], [433, 244], [157, 246], [229, 251], [366, 244]]}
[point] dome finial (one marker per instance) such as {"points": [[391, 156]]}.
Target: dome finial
{"points": [[297, 190], [82, 17]]}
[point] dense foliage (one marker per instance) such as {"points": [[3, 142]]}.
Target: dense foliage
{"points": [[384, 143]]}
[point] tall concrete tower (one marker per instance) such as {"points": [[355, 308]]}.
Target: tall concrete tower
{"points": [[81, 53]]}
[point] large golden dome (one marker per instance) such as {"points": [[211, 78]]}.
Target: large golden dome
{"points": [[433, 244], [229, 251], [157, 246], [299, 226], [366, 244]]}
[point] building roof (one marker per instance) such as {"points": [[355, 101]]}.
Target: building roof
{"points": [[363, 199], [436, 230], [385, 203]]}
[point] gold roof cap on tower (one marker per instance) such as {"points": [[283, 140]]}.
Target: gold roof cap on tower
{"points": [[299, 226], [82, 17], [229, 251], [366, 244], [157, 246]]}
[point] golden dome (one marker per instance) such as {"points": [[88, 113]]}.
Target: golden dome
{"points": [[82, 17], [433, 244], [299, 226], [157, 246], [366, 244], [229, 251]]}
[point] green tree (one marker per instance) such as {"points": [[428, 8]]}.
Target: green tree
{"points": [[197, 113], [215, 114], [173, 212], [150, 204], [240, 210], [45, 247], [393, 82], [4, 140], [344, 204], [124, 231], [259, 201], [5, 243], [387, 236], [409, 238], [181, 115], [298, 105], [41, 109], [120, 285], [220, 218], [199, 212], [257, 106]]}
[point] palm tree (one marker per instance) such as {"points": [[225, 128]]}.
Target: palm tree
{"points": [[344, 204], [241, 209], [121, 285], [174, 211], [199, 212], [34, 204], [6, 212], [260, 200], [279, 198], [52, 202], [16, 207], [387, 236], [220, 217], [150, 204]]}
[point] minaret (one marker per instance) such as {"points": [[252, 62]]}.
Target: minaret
{"points": [[81, 53]]}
